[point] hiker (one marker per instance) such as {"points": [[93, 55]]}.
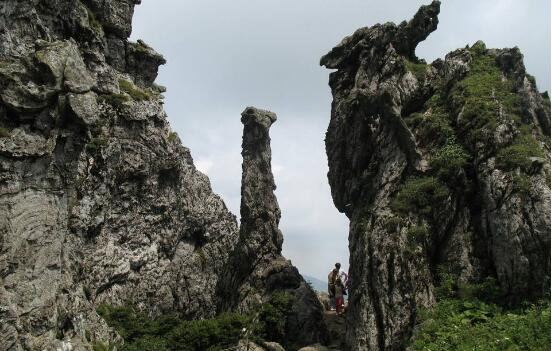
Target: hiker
{"points": [[332, 277], [339, 299]]}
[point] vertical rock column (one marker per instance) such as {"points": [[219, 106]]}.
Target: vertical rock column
{"points": [[260, 213], [257, 269]]}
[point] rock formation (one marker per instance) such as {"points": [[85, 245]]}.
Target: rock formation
{"points": [[257, 267], [99, 201], [439, 167]]}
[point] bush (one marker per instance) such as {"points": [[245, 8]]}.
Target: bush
{"points": [[172, 137], [417, 69], [170, 333], [392, 224], [456, 324], [470, 317], [273, 317], [518, 154], [420, 195], [115, 100], [4, 132], [418, 234], [132, 90], [449, 160], [481, 94], [96, 144]]}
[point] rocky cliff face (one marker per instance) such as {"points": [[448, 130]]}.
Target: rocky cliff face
{"points": [[441, 167], [257, 268], [99, 202]]}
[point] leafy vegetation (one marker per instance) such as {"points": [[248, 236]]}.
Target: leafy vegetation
{"points": [[4, 132], [449, 160], [418, 234], [420, 195], [172, 137], [93, 21], [518, 154], [272, 317], [170, 333], [115, 100], [96, 144], [470, 317], [481, 94], [392, 224], [132, 90], [417, 69]]}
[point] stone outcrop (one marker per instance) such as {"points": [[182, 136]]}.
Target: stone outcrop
{"points": [[257, 268], [99, 201], [440, 167]]}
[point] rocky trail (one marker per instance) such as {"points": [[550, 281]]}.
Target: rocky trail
{"points": [[336, 330]]}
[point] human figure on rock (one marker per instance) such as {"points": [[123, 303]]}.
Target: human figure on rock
{"points": [[339, 296], [335, 274]]}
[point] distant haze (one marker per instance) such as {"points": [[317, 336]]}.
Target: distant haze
{"points": [[226, 55]]}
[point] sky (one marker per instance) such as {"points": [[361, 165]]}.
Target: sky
{"points": [[226, 55]]}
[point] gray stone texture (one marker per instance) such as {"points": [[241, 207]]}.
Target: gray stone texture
{"points": [[493, 231]]}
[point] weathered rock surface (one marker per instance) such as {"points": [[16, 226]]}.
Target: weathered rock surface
{"points": [[257, 268], [439, 167], [99, 201]]}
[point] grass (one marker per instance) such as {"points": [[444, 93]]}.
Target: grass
{"points": [[132, 90]]}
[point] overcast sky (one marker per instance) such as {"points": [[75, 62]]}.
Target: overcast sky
{"points": [[225, 55]]}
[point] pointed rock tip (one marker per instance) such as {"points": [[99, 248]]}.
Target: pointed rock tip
{"points": [[256, 115]]}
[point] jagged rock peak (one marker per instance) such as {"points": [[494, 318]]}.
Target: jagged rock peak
{"points": [[441, 167], [404, 38]]}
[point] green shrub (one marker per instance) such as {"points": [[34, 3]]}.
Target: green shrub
{"points": [[173, 136], [222, 332], [392, 224], [100, 346], [273, 317], [481, 94], [420, 195], [449, 160], [4, 132], [96, 144], [93, 21], [518, 154], [132, 90], [417, 69], [169, 333], [115, 100], [456, 324], [418, 234], [470, 317]]}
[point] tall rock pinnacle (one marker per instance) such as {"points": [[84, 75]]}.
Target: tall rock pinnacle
{"points": [[257, 269], [260, 214]]}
